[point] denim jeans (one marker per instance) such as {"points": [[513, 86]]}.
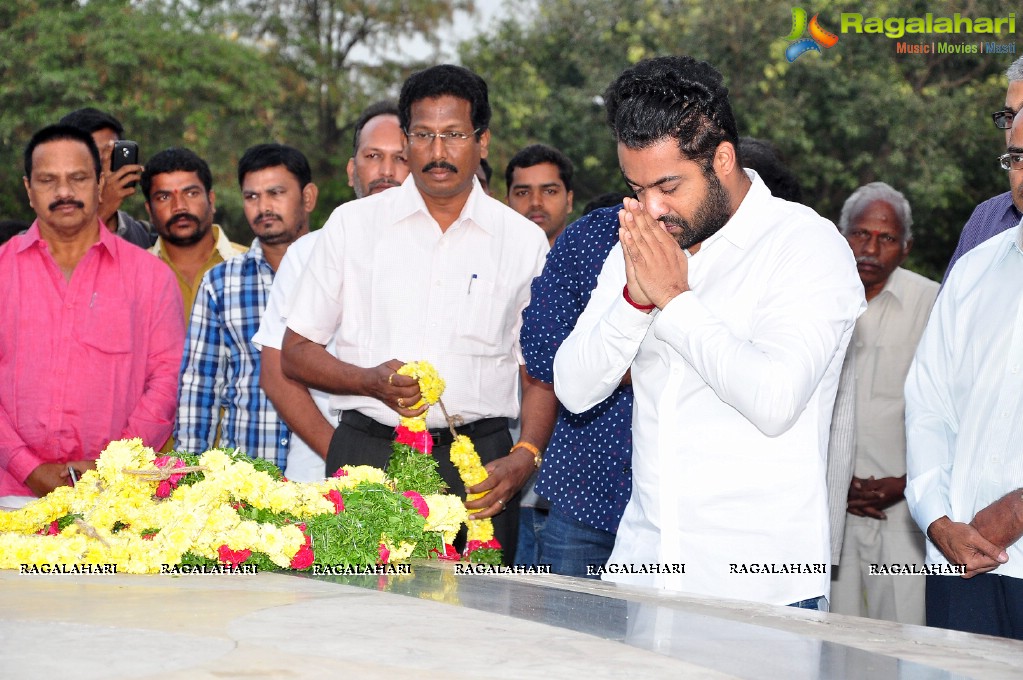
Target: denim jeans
{"points": [[531, 527], [570, 546], [818, 603]]}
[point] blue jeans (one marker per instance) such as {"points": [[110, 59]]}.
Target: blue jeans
{"points": [[817, 603], [569, 546], [531, 528]]}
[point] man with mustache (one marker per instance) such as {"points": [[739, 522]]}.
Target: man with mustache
{"points": [[90, 333], [178, 187], [433, 270], [964, 462], [378, 161], [733, 310], [876, 221], [1003, 211], [220, 373], [539, 179]]}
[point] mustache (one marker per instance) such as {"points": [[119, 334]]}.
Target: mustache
{"points": [[674, 220], [269, 217], [66, 201], [386, 182], [441, 165], [868, 259], [185, 215]]}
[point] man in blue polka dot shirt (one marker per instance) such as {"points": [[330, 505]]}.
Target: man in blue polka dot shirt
{"points": [[586, 473]]}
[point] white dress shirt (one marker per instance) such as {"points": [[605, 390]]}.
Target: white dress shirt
{"points": [[964, 394], [386, 283], [304, 464], [735, 382]]}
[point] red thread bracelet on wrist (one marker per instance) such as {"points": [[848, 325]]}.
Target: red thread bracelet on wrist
{"points": [[642, 308]]}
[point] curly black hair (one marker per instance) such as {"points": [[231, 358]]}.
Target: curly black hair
{"points": [[673, 96]]}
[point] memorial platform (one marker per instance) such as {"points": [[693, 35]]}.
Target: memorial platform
{"points": [[436, 623]]}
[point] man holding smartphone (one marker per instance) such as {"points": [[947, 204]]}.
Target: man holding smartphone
{"points": [[118, 182]]}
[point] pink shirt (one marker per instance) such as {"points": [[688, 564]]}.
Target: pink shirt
{"points": [[86, 361]]}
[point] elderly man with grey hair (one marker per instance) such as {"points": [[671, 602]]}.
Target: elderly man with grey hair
{"points": [[880, 536], [1000, 212]]}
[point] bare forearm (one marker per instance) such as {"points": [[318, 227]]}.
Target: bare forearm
{"points": [[310, 364], [1002, 521], [294, 404], [539, 411]]}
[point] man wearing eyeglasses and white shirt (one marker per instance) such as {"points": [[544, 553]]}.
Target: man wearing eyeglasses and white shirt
{"points": [[964, 434], [1000, 212], [432, 270]]}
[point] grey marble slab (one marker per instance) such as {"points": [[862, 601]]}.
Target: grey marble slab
{"points": [[434, 623]]}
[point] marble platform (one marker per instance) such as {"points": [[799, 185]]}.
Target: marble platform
{"points": [[434, 623]]}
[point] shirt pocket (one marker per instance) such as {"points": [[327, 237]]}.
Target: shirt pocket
{"points": [[891, 364], [483, 315], [106, 325]]}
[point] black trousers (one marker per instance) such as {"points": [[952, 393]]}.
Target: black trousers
{"points": [[987, 603], [354, 446]]}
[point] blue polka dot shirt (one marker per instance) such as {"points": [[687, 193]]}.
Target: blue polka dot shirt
{"points": [[587, 470]]}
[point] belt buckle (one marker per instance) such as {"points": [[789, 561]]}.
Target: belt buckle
{"points": [[435, 436]]}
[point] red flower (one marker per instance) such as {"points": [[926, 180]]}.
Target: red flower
{"points": [[52, 530], [341, 472], [164, 489], [233, 557], [334, 496], [449, 553], [420, 441], [303, 559], [167, 486], [385, 554], [473, 546], [418, 502]]}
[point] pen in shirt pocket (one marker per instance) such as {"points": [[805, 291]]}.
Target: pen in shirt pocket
{"points": [[471, 279]]}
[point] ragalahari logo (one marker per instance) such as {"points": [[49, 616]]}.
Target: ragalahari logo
{"points": [[819, 36]]}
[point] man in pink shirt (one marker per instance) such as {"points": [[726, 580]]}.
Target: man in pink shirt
{"points": [[91, 329]]}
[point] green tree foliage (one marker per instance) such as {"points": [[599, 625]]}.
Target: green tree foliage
{"points": [[348, 53], [856, 113], [169, 86]]}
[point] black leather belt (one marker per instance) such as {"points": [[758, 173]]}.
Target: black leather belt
{"points": [[441, 436]]}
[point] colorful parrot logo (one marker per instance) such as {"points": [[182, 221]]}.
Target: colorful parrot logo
{"points": [[819, 36]]}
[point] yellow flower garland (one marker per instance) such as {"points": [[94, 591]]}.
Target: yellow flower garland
{"points": [[463, 454], [196, 517]]}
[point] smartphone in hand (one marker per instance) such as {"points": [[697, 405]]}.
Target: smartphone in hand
{"points": [[126, 152]]}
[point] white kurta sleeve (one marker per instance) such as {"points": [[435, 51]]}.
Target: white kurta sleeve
{"points": [[590, 363]]}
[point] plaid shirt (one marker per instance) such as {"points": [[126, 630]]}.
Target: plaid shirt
{"points": [[220, 369]]}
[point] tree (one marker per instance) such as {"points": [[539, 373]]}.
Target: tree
{"points": [[348, 53], [169, 86], [856, 113]]}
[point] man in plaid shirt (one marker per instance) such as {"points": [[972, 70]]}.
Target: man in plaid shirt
{"points": [[219, 384]]}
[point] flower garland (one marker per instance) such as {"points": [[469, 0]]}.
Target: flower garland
{"points": [[144, 511], [413, 467]]}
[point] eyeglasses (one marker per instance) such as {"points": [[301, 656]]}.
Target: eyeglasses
{"points": [[1003, 118], [1011, 161], [452, 139]]}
